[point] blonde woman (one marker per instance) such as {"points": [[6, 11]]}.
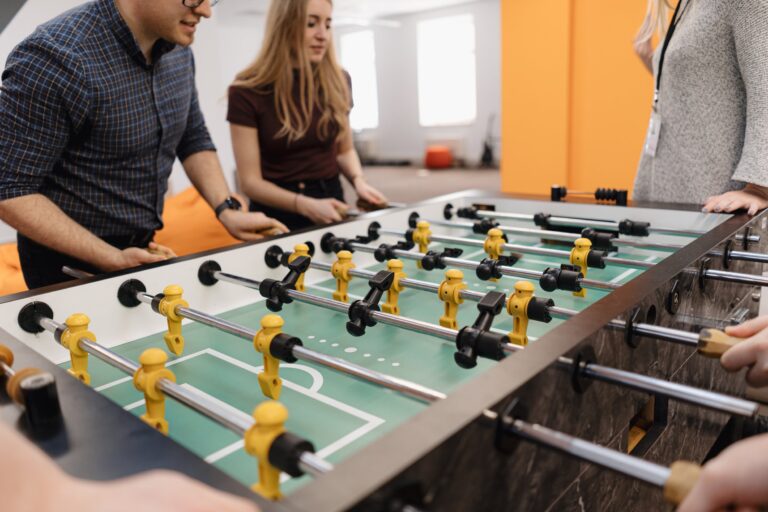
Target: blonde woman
{"points": [[707, 141], [289, 119]]}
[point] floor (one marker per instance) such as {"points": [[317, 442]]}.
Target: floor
{"points": [[409, 184]]}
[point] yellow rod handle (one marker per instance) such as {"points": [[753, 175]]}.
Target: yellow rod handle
{"points": [[714, 343], [682, 478]]}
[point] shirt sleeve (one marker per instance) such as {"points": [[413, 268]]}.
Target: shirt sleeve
{"points": [[196, 137], [750, 34], [44, 100], [240, 107]]}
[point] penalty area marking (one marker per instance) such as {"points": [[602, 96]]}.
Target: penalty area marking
{"points": [[371, 421]]}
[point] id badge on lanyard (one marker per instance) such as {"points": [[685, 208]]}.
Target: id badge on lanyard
{"points": [[654, 127], [652, 137]]}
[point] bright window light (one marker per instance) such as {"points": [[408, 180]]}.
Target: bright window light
{"points": [[446, 61], [358, 57]]}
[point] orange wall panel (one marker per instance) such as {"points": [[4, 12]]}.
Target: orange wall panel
{"points": [[535, 68], [575, 98]]}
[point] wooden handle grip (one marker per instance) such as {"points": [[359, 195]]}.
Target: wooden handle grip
{"points": [[714, 343], [682, 477]]}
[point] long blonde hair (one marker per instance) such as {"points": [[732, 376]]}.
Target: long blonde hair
{"points": [[321, 85], [655, 22]]}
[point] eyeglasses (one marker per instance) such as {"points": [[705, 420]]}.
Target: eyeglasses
{"points": [[194, 4]]}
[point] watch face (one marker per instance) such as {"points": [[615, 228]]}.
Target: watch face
{"points": [[233, 203]]}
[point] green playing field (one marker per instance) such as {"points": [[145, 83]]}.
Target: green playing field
{"points": [[338, 413]]}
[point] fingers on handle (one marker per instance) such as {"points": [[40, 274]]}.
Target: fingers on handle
{"points": [[748, 328]]}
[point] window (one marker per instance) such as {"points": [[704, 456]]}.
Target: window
{"points": [[446, 71], [358, 57]]}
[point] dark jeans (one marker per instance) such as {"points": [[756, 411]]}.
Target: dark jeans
{"points": [[319, 189], [42, 266]]}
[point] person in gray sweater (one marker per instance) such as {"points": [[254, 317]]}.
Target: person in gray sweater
{"points": [[707, 141]]}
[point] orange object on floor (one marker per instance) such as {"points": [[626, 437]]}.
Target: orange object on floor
{"points": [[438, 157]]}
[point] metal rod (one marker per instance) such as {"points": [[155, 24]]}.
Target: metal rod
{"points": [[709, 399], [408, 324], [233, 419], [756, 257], [314, 465], [7, 370], [557, 235], [74, 272], [640, 469], [472, 265], [405, 387], [555, 253], [592, 223], [735, 277]]}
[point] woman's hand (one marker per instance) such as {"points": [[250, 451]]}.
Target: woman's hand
{"points": [[752, 198], [368, 193], [250, 225], [321, 211]]}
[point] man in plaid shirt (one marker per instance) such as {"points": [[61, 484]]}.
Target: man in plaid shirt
{"points": [[95, 107]]}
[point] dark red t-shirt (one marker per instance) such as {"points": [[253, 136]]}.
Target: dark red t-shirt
{"points": [[308, 158]]}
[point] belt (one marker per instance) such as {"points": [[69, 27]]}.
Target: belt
{"points": [[137, 239]]}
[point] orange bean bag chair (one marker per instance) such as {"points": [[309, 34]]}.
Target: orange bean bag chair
{"points": [[191, 226]]}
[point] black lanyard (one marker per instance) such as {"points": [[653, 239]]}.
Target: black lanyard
{"points": [[667, 39]]}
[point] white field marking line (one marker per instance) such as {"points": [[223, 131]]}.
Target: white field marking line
{"points": [[331, 290], [624, 274], [128, 379], [317, 377], [372, 421], [651, 259]]}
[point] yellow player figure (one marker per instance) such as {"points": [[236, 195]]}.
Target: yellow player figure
{"points": [[393, 294], [299, 250], [340, 270], [77, 329], [167, 307], [270, 423], [450, 293], [269, 380], [517, 307], [145, 380], [494, 245], [579, 255], [421, 237]]}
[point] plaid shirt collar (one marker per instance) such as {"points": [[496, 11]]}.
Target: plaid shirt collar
{"points": [[115, 22]]}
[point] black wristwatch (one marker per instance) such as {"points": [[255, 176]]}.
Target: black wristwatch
{"points": [[229, 203]]}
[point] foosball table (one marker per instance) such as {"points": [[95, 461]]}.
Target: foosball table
{"points": [[470, 352]]}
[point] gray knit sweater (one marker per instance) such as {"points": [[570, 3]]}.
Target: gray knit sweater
{"points": [[713, 103]]}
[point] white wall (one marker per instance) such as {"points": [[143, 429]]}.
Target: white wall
{"points": [[399, 134]]}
